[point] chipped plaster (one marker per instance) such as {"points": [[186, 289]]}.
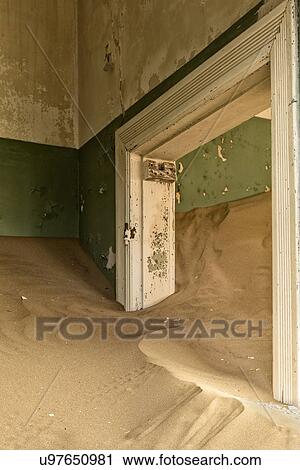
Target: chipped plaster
{"points": [[232, 166], [111, 258]]}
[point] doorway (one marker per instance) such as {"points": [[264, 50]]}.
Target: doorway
{"points": [[237, 79]]}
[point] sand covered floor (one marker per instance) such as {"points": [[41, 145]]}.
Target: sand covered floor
{"points": [[192, 393]]}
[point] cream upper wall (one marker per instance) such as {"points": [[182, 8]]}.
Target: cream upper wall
{"points": [[149, 40], [34, 105]]}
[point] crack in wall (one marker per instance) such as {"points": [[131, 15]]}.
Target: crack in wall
{"points": [[116, 35]]}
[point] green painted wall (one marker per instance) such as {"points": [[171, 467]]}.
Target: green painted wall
{"points": [[97, 197], [231, 167], [38, 190]]}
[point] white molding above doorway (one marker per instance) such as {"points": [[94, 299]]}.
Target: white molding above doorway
{"points": [[239, 68]]}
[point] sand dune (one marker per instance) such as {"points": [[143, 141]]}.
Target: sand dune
{"points": [[213, 393], [224, 273]]}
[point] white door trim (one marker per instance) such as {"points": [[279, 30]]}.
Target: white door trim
{"points": [[272, 39], [285, 210]]}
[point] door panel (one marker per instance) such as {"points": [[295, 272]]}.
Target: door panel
{"points": [[149, 236], [158, 241]]}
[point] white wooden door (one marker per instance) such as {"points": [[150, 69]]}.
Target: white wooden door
{"points": [[149, 235]]}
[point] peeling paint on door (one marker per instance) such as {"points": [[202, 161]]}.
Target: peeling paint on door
{"points": [[158, 240], [158, 261]]}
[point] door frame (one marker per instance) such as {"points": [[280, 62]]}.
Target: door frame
{"points": [[216, 85]]}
